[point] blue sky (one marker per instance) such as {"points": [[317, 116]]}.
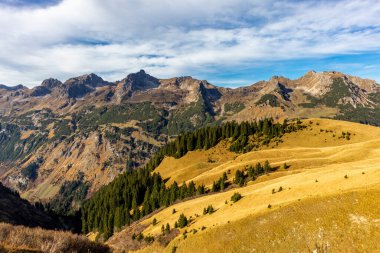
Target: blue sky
{"points": [[230, 43], [29, 3]]}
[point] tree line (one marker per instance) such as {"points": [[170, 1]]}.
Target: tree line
{"points": [[137, 193]]}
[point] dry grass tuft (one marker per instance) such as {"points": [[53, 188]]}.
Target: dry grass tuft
{"points": [[25, 239]]}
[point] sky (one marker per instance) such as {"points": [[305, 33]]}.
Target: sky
{"points": [[229, 43]]}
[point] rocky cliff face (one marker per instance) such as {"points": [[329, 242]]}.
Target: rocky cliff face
{"points": [[87, 130]]}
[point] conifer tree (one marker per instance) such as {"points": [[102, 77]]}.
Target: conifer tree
{"points": [[182, 221]]}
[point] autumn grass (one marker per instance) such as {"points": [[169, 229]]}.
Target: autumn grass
{"points": [[23, 239], [348, 222], [329, 179], [320, 144]]}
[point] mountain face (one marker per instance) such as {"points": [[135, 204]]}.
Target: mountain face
{"points": [[62, 141]]}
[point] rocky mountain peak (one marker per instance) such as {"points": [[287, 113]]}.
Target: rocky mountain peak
{"points": [[12, 88], [140, 81], [91, 80], [313, 83], [80, 86], [51, 83], [311, 72], [185, 83]]}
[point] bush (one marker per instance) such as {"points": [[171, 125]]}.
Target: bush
{"points": [[140, 237], [149, 239], [236, 197]]}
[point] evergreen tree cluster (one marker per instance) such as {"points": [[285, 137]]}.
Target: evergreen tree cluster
{"points": [[221, 184], [252, 172], [209, 210], [237, 133], [165, 229], [129, 197], [242, 176]]}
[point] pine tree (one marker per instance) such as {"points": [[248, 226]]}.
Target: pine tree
{"points": [[267, 167], [182, 221], [167, 228], [118, 220]]}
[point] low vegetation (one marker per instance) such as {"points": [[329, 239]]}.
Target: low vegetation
{"points": [[269, 99], [236, 197], [36, 239], [233, 107], [209, 210]]}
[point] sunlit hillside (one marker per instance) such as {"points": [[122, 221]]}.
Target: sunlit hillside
{"points": [[324, 198]]}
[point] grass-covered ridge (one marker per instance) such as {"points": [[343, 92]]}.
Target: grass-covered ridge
{"points": [[308, 168], [137, 193]]}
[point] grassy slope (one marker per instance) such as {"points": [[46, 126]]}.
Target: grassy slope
{"points": [[313, 155], [310, 148], [347, 222]]}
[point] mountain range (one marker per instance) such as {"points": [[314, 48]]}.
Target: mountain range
{"points": [[63, 140]]}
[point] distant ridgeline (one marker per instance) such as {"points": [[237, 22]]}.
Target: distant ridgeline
{"points": [[118, 203]]}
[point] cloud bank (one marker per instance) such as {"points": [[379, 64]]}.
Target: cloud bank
{"points": [[170, 38]]}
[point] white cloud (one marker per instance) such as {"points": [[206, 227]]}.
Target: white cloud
{"points": [[169, 38]]}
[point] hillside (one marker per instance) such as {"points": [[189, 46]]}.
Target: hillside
{"points": [[313, 197], [17, 211], [63, 140]]}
